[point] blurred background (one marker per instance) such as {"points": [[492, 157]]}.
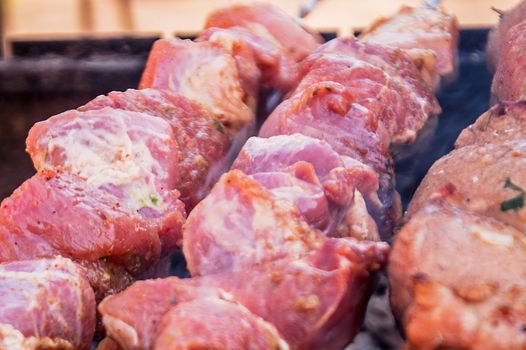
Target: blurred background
{"points": [[59, 54]]}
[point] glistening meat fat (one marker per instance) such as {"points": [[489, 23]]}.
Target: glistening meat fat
{"points": [[132, 156], [201, 141]]}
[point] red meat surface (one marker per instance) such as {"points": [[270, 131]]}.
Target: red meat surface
{"points": [[270, 22], [202, 143], [317, 301], [205, 73], [381, 78], [326, 187], [240, 224], [60, 213], [45, 302], [261, 62]]}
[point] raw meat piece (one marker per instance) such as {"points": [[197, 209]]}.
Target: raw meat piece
{"points": [[131, 155], [506, 121], [10, 338], [509, 81], [240, 224], [202, 143], [105, 277], [261, 63], [133, 317], [227, 325], [381, 78], [60, 212], [270, 22], [490, 177], [454, 278], [326, 111], [417, 28], [203, 72], [333, 181], [45, 301], [315, 302], [497, 36]]}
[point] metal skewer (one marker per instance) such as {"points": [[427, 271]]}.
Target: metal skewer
{"points": [[307, 7], [432, 3]]}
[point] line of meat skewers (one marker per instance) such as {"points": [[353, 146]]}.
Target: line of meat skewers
{"points": [[283, 249], [457, 267]]}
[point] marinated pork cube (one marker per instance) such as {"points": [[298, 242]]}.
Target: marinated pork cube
{"points": [[270, 22], [46, 304]]}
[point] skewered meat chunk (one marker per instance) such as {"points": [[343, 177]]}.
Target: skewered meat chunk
{"points": [[240, 224], [228, 326], [341, 182], [131, 155], [497, 36], [299, 185], [133, 317], [271, 23], [326, 111], [317, 301], [261, 63], [420, 28], [202, 144], [505, 121], [105, 277], [456, 279], [489, 176], [203, 72], [11, 338], [98, 225], [174, 318], [382, 79], [46, 304], [510, 77]]}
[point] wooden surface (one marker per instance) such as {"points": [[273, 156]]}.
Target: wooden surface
{"points": [[63, 19], [344, 16]]}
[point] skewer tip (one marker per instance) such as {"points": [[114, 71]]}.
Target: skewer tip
{"points": [[499, 11], [432, 3]]}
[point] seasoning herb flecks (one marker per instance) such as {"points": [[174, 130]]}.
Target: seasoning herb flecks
{"points": [[516, 202]]}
